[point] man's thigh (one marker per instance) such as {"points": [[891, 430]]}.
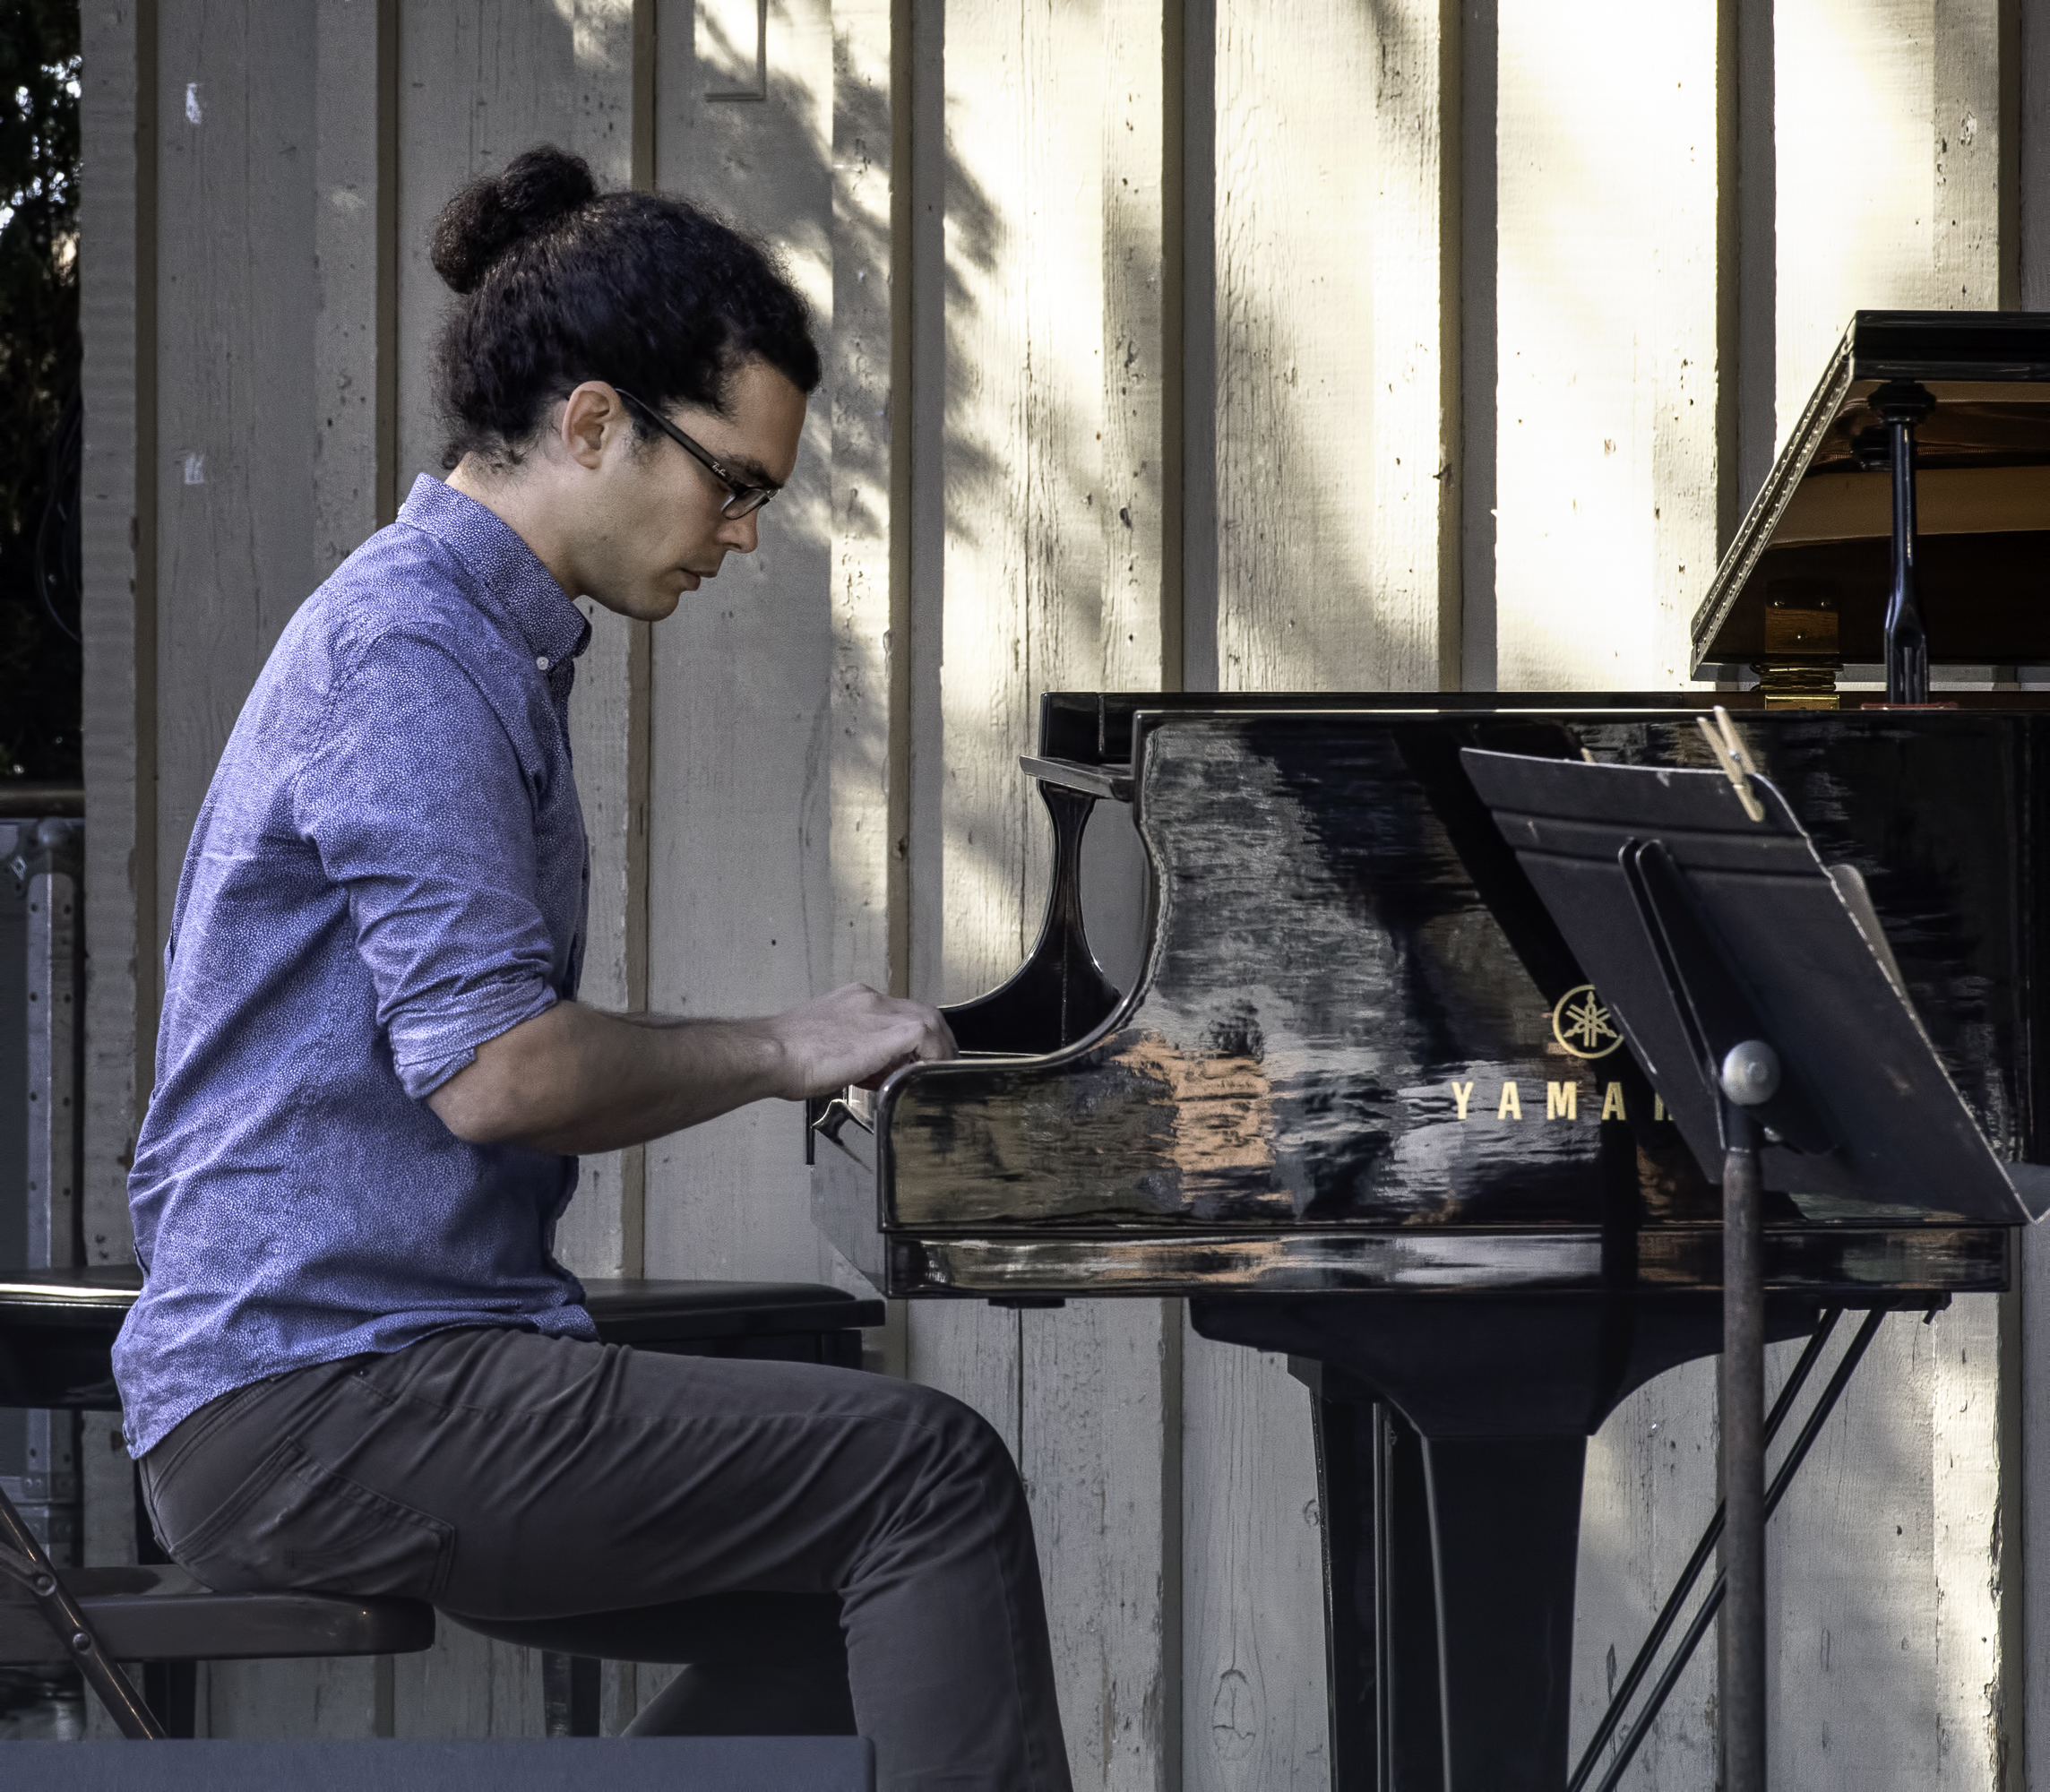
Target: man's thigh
{"points": [[506, 1474]]}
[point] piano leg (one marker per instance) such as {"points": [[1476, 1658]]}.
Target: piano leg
{"points": [[1449, 1607], [1505, 1516], [1482, 1496], [1380, 1603]]}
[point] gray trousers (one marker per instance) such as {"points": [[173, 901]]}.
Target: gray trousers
{"points": [[597, 1499]]}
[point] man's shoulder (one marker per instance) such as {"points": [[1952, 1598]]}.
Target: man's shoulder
{"points": [[402, 587]]}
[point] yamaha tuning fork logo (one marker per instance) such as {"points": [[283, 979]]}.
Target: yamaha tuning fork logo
{"points": [[1583, 1026]]}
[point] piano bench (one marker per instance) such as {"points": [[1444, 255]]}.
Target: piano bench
{"points": [[160, 1613], [56, 1330]]}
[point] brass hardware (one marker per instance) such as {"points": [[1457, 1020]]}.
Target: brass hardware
{"points": [[1734, 757], [1798, 670]]}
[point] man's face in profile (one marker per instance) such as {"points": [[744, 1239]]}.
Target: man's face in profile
{"points": [[657, 521]]}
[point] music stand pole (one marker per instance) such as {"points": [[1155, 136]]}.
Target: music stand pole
{"points": [[1750, 1075]]}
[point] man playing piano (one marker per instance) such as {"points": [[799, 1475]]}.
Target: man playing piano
{"points": [[355, 1365]]}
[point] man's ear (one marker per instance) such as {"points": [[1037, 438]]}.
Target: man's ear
{"points": [[592, 416]]}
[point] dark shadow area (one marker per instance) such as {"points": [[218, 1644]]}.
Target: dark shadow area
{"points": [[39, 433]]}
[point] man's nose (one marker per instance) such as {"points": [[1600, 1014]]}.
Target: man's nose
{"points": [[740, 533]]}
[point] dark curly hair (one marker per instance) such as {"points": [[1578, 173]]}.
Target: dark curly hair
{"points": [[559, 283]]}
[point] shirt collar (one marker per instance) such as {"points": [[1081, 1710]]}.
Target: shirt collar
{"points": [[554, 629]]}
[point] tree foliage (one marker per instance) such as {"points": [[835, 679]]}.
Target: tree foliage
{"points": [[39, 665]]}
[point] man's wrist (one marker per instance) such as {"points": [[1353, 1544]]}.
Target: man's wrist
{"points": [[774, 1068]]}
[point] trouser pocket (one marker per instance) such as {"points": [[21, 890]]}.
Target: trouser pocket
{"points": [[293, 1524]]}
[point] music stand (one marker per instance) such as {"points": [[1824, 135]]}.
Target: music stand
{"points": [[1756, 988]]}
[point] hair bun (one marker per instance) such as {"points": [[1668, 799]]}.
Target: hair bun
{"points": [[494, 212]]}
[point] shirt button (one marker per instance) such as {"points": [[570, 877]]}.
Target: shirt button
{"points": [[543, 662]]}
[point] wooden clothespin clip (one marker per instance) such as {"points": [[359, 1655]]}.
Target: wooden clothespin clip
{"points": [[1734, 757]]}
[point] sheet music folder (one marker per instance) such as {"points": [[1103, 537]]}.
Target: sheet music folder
{"points": [[1700, 928]]}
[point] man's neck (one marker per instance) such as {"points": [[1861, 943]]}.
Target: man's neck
{"points": [[520, 501]]}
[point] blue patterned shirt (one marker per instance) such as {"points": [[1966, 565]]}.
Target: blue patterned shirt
{"points": [[389, 870]]}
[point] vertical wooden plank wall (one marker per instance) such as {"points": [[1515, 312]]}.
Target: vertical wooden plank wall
{"points": [[1051, 576], [1890, 1557], [811, 773], [1607, 314], [117, 618]]}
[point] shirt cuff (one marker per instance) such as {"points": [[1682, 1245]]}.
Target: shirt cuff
{"points": [[434, 1049]]}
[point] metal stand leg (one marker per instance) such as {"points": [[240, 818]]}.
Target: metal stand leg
{"points": [[23, 1561], [1741, 1687]]}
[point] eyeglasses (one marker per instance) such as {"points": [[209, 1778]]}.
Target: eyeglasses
{"points": [[747, 499]]}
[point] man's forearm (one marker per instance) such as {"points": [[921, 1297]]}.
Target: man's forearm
{"points": [[577, 1081]]}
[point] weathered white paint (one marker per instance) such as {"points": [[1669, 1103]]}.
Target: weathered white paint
{"points": [[117, 319], [1253, 1716], [1913, 219], [1298, 606], [2027, 1704], [1853, 1599], [1024, 546], [1649, 1489], [1607, 333], [354, 98], [1413, 572], [1137, 630], [861, 392], [1977, 1735], [236, 310]]}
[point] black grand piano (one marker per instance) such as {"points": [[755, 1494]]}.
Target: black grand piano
{"points": [[1362, 1106]]}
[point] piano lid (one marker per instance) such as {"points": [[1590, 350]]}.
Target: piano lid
{"points": [[1813, 557]]}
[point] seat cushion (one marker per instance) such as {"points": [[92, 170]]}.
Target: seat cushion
{"points": [[161, 1614]]}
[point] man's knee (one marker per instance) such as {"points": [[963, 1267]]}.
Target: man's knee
{"points": [[959, 1443]]}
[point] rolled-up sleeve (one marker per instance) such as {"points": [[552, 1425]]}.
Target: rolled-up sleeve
{"points": [[419, 805]]}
